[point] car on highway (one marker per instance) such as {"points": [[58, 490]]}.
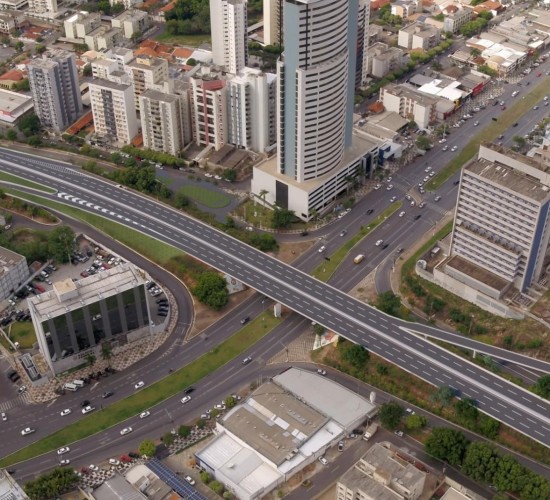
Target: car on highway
{"points": [[107, 394], [321, 372], [66, 411], [369, 211], [185, 399], [379, 242], [385, 245], [139, 384], [454, 148], [390, 187], [402, 214], [247, 360], [437, 198], [87, 409], [4, 417], [377, 187], [125, 431], [27, 430], [322, 249], [190, 480], [416, 217], [323, 460], [444, 148], [343, 233], [245, 320], [85, 403], [144, 414], [65, 461], [63, 450], [393, 198]]}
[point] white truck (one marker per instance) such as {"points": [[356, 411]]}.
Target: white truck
{"points": [[370, 431]]}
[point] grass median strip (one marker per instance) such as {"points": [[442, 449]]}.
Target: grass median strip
{"points": [[325, 270], [505, 121], [149, 247], [206, 197], [152, 395], [24, 182]]}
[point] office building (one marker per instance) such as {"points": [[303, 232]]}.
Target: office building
{"points": [[43, 6], [80, 24], [317, 149], [75, 317], [147, 72], [382, 474], [132, 22], [9, 488], [14, 272], [114, 110], [501, 231], [272, 10], [209, 107], [55, 89], [251, 99], [418, 36], [162, 116], [228, 22]]}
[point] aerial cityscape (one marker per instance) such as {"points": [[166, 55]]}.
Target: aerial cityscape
{"points": [[264, 249]]}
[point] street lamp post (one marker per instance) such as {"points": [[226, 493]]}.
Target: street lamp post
{"points": [[471, 323]]}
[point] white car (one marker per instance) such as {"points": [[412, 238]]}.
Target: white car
{"points": [[220, 407], [390, 187], [322, 249], [208, 175], [431, 174], [4, 417], [125, 431], [93, 467], [323, 460], [413, 203], [401, 214], [393, 198], [139, 385], [321, 372], [87, 409], [218, 177], [65, 461], [427, 169], [63, 450], [185, 399], [379, 242], [66, 411], [444, 148], [399, 433], [114, 461], [377, 187], [27, 430], [454, 148], [190, 480], [144, 414], [426, 179]]}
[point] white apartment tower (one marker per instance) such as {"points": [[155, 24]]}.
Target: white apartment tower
{"points": [[502, 217], [228, 20], [361, 65], [316, 78], [273, 29], [162, 121], [251, 98], [114, 110], [148, 72], [55, 89], [43, 6], [209, 108]]}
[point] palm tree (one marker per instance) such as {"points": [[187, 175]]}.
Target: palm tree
{"points": [[263, 194], [349, 181], [106, 353], [91, 359]]}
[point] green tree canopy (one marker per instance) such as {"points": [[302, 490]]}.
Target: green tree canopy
{"points": [[415, 422], [168, 439], [356, 355], [211, 289], [61, 243], [480, 461], [443, 395], [184, 431], [510, 475], [446, 444], [542, 386], [281, 218], [389, 303], [51, 485], [390, 414], [147, 448], [487, 426], [467, 412], [30, 125]]}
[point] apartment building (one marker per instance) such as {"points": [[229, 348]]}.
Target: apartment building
{"points": [[456, 16], [162, 121], [251, 100], [10, 21], [43, 6], [147, 72], [418, 36], [14, 271], [272, 22], [103, 37], [80, 24], [55, 90], [128, 4], [383, 59], [132, 22], [404, 8], [13, 4], [228, 19], [114, 110], [363, 40], [501, 220], [410, 104]]}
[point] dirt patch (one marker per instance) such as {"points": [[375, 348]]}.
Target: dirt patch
{"points": [[290, 250]]}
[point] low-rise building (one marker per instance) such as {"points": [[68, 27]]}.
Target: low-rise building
{"points": [[9, 488], [418, 36], [11, 78], [14, 271], [409, 103], [128, 4], [13, 4], [404, 8], [132, 22], [382, 474], [383, 59], [43, 6], [103, 37], [10, 21], [13, 106], [80, 24], [456, 16]]}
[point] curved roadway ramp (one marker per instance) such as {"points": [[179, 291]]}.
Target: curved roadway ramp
{"points": [[384, 335]]}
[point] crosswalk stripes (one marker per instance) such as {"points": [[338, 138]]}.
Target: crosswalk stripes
{"points": [[21, 400]]}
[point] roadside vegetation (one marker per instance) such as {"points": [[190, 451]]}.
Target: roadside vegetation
{"points": [[4, 176], [26, 209]]}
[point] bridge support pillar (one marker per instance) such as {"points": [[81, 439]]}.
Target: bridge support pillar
{"points": [[474, 356]]}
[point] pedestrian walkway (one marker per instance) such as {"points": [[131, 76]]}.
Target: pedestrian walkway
{"points": [[20, 400]]}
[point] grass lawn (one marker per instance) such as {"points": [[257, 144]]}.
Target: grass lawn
{"points": [[149, 247], [23, 333], [24, 182], [206, 197], [152, 395], [192, 40], [325, 270], [505, 120]]}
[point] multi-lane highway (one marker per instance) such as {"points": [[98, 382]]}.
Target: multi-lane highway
{"points": [[334, 309]]}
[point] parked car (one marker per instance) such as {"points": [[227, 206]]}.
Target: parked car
{"points": [[190, 480], [87, 409], [323, 460], [107, 394], [4, 417], [340, 445], [321, 372]]}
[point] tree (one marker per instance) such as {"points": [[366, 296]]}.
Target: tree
{"points": [[480, 461], [205, 477], [265, 242], [319, 329], [542, 386], [488, 426], [118, 8], [147, 448], [11, 135], [263, 194], [181, 200], [415, 422], [106, 353], [509, 475], [168, 439], [19, 46], [53, 484], [389, 303], [282, 218], [40, 49], [184, 431], [91, 359], [216, 487], [30, 125], [191, 62], [211, 289], [34, 141], [443, 395], [87, 71], [423, 143], [23, 85], [446, 444], [391, 414], [230, 174], [356, 355], [61, 243], [520, 141], [230, 402]]}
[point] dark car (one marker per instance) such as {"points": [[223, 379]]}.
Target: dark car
{"points": [[245, 320], [385, 245], [370, 211], [416, 217], [133, 454], [189, 390], [304, 233], [107, 394], [515, 124], [85, 403], [456, 183]]}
